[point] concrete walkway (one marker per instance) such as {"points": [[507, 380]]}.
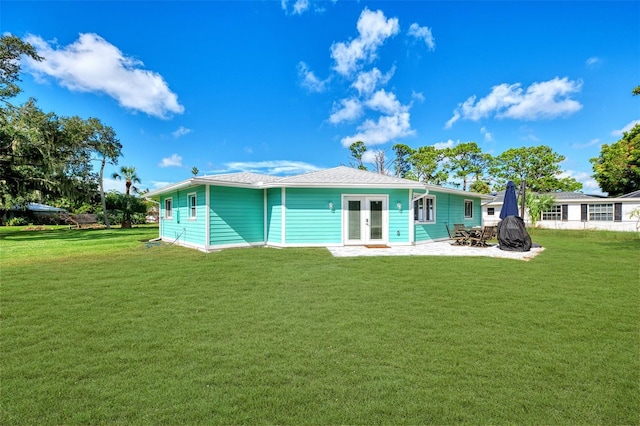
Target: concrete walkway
{"points": [[436, 248]]}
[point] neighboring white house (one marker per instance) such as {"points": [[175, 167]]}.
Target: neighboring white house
{"points": [[578, 211]]}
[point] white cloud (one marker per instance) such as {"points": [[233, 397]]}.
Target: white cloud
{"points": [[114, 185], [625, 128], [386, 103], [367, 81], [278, 167], [488, 137], [424, 34], [91, 64], [174, 161], [592, 142], [456, 117], [442, 145], [309, 79], [348, 110], [159, 184], [544, 100], [386, 129], [373, 30], [418, 96], [592, 61], [589, 184], [298, 7], [181, 132]]}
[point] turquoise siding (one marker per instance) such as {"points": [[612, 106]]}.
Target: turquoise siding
{"points": [[399, 218], [309, 219], [449, 210], [180, 226], [274, 215], [237, 216]]}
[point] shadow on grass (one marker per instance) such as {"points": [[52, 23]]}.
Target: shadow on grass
{"points": [[73, 234]]}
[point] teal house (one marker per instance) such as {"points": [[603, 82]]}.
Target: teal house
{"points": [[331, 207]]}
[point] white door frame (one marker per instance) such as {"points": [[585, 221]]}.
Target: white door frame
{"points": [[365, 218]]}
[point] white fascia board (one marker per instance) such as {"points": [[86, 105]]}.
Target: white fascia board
{"points": [[201, 181], [343, 185], [437, 188]]}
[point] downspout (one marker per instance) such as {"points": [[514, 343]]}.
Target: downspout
{"points": [[207, 218], [264, 222]]}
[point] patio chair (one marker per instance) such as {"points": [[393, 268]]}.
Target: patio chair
{"points": [[480, 239], [460, 234]]}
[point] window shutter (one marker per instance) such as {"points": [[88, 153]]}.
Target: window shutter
{"points": [[583, 212], [617, 212]]}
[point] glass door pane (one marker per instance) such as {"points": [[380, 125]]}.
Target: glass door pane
{"points": [[375, 220], [354, 220]]}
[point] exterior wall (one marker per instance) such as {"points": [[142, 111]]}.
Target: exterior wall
{"points": [[449, 211], [274, 216], [180, 228], [309, 221], [237, 216], [574, 217]]}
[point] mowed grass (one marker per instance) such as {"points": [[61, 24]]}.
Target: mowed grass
{"points": [[100, 328]]}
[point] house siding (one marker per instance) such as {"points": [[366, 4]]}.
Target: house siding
{"points": [[274, 215], [180, 227], [449, 211], [237, 216], [309, 219]]}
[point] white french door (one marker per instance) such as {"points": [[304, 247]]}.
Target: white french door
{"points": [[365, 219]]}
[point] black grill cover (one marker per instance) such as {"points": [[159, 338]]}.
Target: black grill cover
{"points": [[512, 235]]}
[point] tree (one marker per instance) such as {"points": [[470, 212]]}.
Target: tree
{"points": [[536, 204], [195, 171], [536, 168], [380, 162], [402, 161], [125, 207], [636, 91], [11, 49], [128, 174], [617, 169], [357, 151], [426, 165], [108, 148], [464, 161]]}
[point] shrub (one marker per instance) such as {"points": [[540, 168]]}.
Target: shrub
{"points": [[17, 221]]}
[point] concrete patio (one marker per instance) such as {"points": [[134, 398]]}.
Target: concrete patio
{"points": [[436, 248]]}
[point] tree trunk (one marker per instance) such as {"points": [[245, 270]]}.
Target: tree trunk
{"points": [[104, 202]]}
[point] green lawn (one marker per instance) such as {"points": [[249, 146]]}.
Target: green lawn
{"points": [[100, 328]]}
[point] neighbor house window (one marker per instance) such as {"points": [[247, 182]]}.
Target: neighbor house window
{"points": [[192, 205], [491, 211], [554, 213], [601, 212], [468, 209], [168, 208], [424, 209]]}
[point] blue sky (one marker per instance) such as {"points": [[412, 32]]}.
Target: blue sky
{"points": [[285, 86]]}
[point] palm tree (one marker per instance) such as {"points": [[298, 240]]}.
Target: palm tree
{"points": [[128, 174]]}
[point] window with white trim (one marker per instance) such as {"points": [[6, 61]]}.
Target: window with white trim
{"points": [[192, 200], [601, 212], [468, 209], [554, 213], [168, 208], [424, 209]]}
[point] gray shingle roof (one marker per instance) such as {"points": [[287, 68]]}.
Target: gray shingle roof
{"points": [[343, 175], [243, 177], [634, 194]]}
